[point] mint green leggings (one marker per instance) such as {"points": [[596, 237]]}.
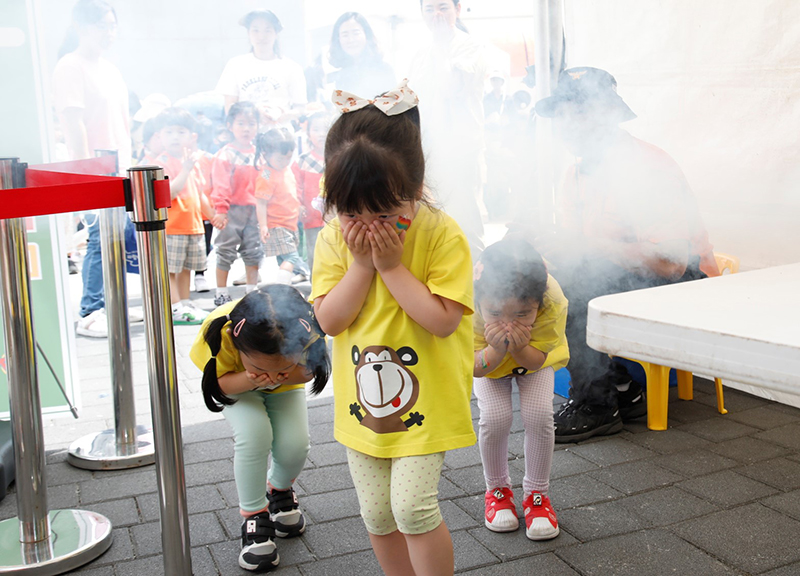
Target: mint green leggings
{"points": [[262, 423]]}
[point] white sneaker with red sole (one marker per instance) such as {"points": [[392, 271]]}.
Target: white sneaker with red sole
{"points": [[540, 518], [501, 513]]}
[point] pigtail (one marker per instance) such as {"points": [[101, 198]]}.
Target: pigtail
{"points": [[317, 359], [213, 395], [319, 364]]}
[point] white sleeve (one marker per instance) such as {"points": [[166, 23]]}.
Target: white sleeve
{"points": [[227, 84], [68, 86]]}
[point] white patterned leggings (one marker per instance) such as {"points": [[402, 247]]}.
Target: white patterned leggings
{"points": [[536, 409]]}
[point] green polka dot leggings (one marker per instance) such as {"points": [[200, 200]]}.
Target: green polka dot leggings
{"points": [[397, 493]]}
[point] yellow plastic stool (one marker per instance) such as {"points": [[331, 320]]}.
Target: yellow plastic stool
{"points": [[658, 392]]}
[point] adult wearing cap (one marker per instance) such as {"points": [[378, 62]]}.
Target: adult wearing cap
{"points": [[276, 85], [626, 220]]}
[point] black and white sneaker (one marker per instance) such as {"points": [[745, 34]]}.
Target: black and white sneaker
{"points": [[632, 402], [259, 553], [222, 298], [285, 513], [576, 422]]}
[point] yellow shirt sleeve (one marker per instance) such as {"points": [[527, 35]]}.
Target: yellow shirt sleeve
{"points": [[450, 265], [228, 359], [331, 260]]}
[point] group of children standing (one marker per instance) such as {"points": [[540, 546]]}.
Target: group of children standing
{"points": [[414, 325], [252, 191]]}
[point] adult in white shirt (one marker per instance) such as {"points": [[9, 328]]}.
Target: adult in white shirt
{"points": [[448, 74], [90, 96], [276, 85], [91, 100]]}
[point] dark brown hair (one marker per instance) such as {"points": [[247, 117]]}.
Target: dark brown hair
{"points": [[338, 57], [373, 162], [511, 268], [275, 319]]}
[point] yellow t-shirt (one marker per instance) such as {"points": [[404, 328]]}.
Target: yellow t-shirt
{"points": [[228, 358], [398, 389], [547, 334]]}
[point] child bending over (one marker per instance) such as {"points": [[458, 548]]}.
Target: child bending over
{"points": [[520, 318]]}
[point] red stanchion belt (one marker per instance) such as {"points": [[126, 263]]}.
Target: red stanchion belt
{"points": [[99, 165], [49, 190]]}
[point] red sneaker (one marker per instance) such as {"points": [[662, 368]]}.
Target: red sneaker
{"points": [[540, 518], [501, 514]]}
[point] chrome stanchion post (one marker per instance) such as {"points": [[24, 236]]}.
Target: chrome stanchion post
{"points": [[152, 243], [38, 541], [127, 445], [23, 390]]}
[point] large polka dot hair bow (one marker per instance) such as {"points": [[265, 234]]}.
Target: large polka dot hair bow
{"points": [[391, 103]]}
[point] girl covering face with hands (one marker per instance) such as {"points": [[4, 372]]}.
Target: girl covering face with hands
{"points": [[256, 355], [398, 305], [519, 337]]}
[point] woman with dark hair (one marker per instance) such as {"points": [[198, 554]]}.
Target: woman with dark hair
{"points": [[275, 84], [91, 100], [448, 73], [355, 52]]}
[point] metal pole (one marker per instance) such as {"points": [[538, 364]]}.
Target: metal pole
{"points": [[544, 131], [23, 391], [49, 542], [162, 368], [126, 446]]}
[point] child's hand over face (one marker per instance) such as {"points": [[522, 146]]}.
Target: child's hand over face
{"points": [[387, 245], [495, 334], [519, 335], [258, 380], [355, 236]]}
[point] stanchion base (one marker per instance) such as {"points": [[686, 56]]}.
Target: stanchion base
{"points": [[76, 538], [100, 451]]}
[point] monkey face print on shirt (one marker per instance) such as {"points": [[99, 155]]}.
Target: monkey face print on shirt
{"points": [[385, 388]]}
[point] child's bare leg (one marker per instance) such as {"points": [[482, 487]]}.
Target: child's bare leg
{"points": [[222, 278], [252, 275], [392, 553], [431, 553], [174, 292], [184, 281]]}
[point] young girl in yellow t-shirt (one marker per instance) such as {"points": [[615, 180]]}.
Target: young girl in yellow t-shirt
{"points": [[256, 354], [392, 283], [520, 317]]}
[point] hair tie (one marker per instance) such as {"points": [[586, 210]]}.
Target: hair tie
{"points": [[314, 337], [477, 271], [238, 328], [391, 103], [305, 324]]}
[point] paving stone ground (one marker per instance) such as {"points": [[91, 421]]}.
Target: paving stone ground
{"points": [[712, 495]]}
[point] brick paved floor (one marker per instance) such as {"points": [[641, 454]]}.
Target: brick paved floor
{"points": [[712, 495]]}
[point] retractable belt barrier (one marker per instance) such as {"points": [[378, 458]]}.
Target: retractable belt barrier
{"points": [[41, 542], [73, 187]]}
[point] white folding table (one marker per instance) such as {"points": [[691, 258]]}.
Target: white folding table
{"points": [[743, 327]]}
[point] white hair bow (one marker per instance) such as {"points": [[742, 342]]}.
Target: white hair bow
{"points": [[391, 103]]}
